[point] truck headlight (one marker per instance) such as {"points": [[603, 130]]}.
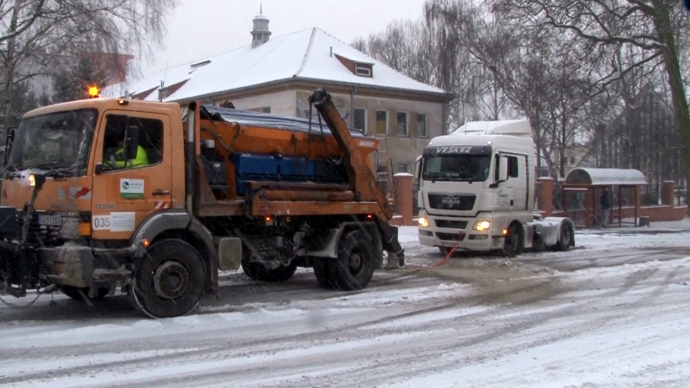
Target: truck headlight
{"points": [[482, 225], [423, 222], [37, 180]]}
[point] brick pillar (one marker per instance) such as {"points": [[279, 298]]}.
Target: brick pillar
{"points": [[546, 195], [668, 193], [403, 197]]}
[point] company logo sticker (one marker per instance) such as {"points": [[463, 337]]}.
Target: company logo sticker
{"points": [[132, 188]]}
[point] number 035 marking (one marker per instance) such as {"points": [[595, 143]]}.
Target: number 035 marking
{"points": [[101, 223]]}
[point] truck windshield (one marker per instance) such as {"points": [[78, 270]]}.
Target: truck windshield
{"points": [[56, 143], [473, 168]]}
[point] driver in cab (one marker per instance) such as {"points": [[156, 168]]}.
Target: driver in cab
{"points": [[115, 156]]}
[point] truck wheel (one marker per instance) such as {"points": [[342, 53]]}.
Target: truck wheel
{"points": [[511, 243], [258, 271], [354, 267], [322, 271], [564, 239], [170, 280], [73, 292]]}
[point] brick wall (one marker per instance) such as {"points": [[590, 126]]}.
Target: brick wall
{"points": [[665, 212]]}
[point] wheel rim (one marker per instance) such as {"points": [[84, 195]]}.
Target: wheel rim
{"points": [[170, 280], [357, 262]]}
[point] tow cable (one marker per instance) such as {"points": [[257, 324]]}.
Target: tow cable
{"points": [[444, 260], [48, 290], [448, 255]]}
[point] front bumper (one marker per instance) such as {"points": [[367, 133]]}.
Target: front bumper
{"points": [[466, 239], [488, 244], [70, 264]]}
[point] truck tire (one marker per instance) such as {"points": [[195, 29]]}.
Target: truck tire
{"points": [[322, 271], [258, 271], [73, 292], [354, 267], [169, 280], [564, 238], [443, 250]]}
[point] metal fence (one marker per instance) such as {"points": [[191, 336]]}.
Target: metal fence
{"points": [[650, 195], [681, 196]]}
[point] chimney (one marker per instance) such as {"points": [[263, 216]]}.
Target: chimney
{"points": [[260, 33]]}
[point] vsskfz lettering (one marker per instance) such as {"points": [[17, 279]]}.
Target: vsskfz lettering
{"points": [[454, 150]]}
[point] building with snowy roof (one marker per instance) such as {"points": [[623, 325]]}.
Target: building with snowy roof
{"points": [[277, 75]]}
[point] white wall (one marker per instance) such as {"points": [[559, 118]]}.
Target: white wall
{"points": [[283, 102]]}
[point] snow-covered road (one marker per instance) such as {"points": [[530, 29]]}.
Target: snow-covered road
{"points": [[615, 312]]}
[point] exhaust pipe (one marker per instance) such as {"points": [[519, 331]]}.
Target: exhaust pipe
{"points": [[189, 158]]}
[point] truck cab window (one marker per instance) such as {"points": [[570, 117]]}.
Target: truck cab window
{"points": [[149, 148], [512, 167]]}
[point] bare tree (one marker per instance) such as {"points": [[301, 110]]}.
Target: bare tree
{"points": [[36, 34], [538, 72], [652, 26]]}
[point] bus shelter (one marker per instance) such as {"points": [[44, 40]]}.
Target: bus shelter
{"points": [[593, 181]]}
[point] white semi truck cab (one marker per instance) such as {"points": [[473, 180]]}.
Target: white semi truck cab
{"points": [[476, 192]]}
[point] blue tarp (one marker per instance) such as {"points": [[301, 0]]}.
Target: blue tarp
{"points": [[289, 123]]}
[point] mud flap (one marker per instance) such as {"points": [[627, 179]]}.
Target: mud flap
{"points": [[389, 237]]}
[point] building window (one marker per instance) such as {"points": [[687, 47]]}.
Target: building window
{"points": [[572, 160], [402, 167], [381, 122], [265, 109], [360, 119], [402, 124], [422, 126]]}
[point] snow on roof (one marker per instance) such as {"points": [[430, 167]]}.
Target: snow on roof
{"points": [[501, 127], [303, 54], [605, 177]]}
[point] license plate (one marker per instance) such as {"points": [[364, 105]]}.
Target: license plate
{"points": [[48, 219]]}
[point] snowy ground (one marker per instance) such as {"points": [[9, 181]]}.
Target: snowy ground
{"points": [[615, 312]]}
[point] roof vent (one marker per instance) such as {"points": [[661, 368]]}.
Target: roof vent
{"points": [[197, 65]]}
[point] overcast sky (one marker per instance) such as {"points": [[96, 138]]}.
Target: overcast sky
{"points": [[202, 28]]}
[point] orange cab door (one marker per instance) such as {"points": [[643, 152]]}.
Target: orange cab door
{"points": [[124, 194]]}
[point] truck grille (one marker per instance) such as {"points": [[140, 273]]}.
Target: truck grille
{"points": [[452, 202], [38, 234], [451, 224], [450, 236]]}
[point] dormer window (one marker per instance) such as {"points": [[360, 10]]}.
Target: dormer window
{"points": [[167, 91], [359, 67], [363, 69]]}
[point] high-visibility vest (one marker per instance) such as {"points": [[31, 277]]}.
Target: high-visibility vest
{"points": [[141, 160]]}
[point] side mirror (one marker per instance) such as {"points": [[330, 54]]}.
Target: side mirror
{"points": [[131, 142], [8, 143], [418, 168], [502, 169], [99, 169]]}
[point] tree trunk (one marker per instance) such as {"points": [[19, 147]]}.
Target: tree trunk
{"points": [[662, 21], [9, 62]]}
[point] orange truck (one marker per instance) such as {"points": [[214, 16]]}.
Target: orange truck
{"points": [[155, 199]]}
